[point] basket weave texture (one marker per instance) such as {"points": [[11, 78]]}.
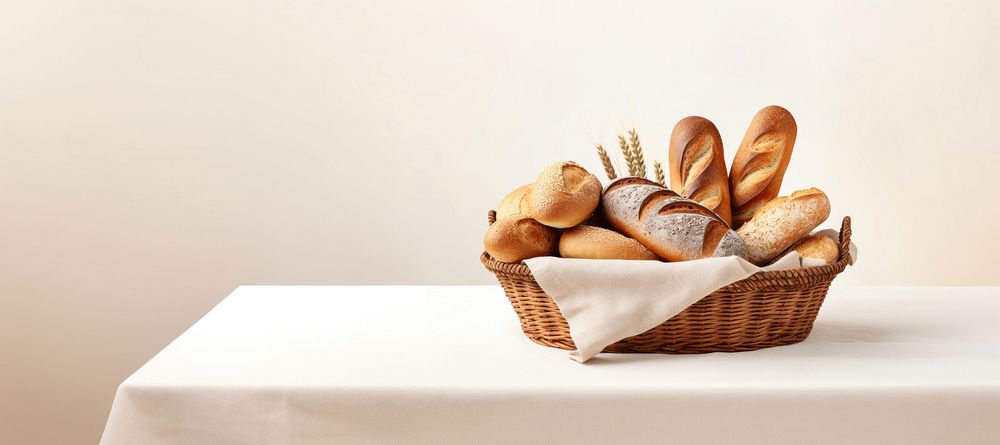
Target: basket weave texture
{"points": [[771, 308]]}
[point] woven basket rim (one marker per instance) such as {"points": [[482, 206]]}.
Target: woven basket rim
{"points": [[759, 279]]}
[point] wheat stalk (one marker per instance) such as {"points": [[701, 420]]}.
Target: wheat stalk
{"points": [[606, 162], [627, 152], [658, 171], [640, 162]]}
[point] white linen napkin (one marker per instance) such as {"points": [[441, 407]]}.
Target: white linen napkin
{"points": [[607, 300]]}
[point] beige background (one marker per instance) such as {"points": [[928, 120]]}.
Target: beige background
{"points": [[154, 155]]}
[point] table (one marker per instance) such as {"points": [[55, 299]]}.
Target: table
{"points": [[416, 364]]}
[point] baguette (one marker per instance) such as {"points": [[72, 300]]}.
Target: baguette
{"points": [[698, 165], [760, 162], [598, 243], [783, 221], [564, 195], [673, 227], [517, 238]]}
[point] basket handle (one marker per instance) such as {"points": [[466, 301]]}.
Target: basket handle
{"points": [[845, 239], [491, 217]]}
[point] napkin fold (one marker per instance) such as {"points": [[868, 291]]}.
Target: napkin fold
{"points": [[607, 300]]}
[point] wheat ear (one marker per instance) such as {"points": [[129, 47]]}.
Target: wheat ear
{"points": [[640, 162], [627, 152], [658, 171], [606, 162]]}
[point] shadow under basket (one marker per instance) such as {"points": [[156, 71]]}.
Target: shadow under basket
{"points": [[772, 308]]}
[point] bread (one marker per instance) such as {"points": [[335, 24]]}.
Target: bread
{"points": [[819, 247], [760, 162], [515, 203], [698, 165], [672, 227], [564, 195], [783, 221], [598, 243], [517, 238]]}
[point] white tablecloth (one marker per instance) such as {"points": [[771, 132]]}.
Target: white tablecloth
{"points": [[408, 364]]}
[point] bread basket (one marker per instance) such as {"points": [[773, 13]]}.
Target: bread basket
{"points": [[772, 308]]}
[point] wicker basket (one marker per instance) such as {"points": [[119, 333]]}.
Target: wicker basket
{"points": [[767, 309]]}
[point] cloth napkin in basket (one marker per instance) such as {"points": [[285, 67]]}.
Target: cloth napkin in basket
{"points": [[607, 300]]}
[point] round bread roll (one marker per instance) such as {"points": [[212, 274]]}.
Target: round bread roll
{"points": [[515, 203], [564, 195], [818, 246], [598, 243], [517, 238]]}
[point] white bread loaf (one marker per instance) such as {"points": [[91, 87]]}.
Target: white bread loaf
{"points": [[672, 227], [783, 221], [599, 243], [564, 195]]}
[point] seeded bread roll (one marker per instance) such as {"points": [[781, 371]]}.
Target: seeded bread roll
{"points": [[598, 243], [760, 163], [515, 203], [783, 221], [672, 227], [517, 238], [564, 195], [698, 165]]}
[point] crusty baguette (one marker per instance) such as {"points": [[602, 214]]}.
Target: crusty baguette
{"points": [[564, 195], [672, 227], [518, 237], [515, 203], [783, 221], [818, 247], [760, 162], [598, 243], [698, 165]]}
